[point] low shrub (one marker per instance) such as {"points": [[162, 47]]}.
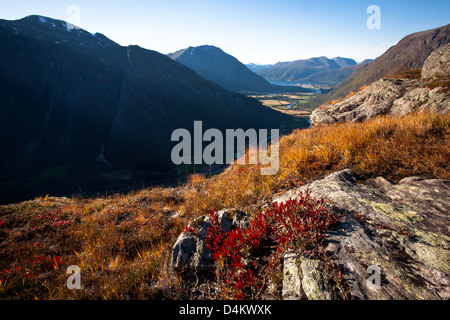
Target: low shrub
{"points": [[243, 255]]}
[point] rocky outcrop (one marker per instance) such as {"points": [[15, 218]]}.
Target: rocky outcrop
{"points": [[401, 230], [437, 64], [394, 96]]}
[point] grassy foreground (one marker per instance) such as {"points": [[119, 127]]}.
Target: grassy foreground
{"points": [[122, 243]]}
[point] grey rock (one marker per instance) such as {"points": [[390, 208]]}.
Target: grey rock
{"points": [[183, 250], [404, 230], [292, 278], [314, 282], [437, 65], [303, 280]]}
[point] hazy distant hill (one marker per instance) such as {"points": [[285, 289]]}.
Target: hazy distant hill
{"points": [[409, 53], [344, 62], [71, 98], [333, 77], [300, 69], [256, 67]]}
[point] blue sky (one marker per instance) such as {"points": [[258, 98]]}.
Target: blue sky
{"points": [[259, 31]]}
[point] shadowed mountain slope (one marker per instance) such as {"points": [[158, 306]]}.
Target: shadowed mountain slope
{"points": [[71, 98]]}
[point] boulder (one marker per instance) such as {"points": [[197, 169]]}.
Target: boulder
{"points": [[435, 100]]}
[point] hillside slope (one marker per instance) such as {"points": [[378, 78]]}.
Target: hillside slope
{"points": [[124, 243], [330, 77]]}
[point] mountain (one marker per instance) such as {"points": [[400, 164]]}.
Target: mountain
{"points": [[409, 53], [214, 64], [76, 106], [300, 69]]}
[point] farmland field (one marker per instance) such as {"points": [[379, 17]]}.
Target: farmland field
{"points": [[293, 104]]}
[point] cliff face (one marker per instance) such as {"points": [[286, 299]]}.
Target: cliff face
{"points": [[395, 96]]}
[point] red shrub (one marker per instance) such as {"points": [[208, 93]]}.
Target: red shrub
{"points": [[296, 224]]}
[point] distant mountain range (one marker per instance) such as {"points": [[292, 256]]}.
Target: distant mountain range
{"points": [[214, 64], [70, 99], [409, 53], [256, 67], [301, 70], [333, 77]]}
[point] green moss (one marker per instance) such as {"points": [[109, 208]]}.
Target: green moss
{"points": [[431, 238], [395, 213]]}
